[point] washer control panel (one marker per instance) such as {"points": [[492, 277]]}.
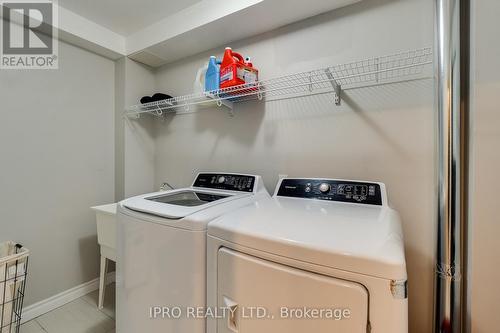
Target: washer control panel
{"points": [[223, 181], [331, 190]]}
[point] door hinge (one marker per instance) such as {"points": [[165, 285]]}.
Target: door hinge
{"points": [[399, 289]]}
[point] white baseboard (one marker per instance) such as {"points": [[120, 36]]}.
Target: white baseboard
{"points": [[56, 301]]}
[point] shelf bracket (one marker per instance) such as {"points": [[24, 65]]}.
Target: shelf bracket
{"points": [[222, 102], [227, 104], [336, 86], [131, 115]]}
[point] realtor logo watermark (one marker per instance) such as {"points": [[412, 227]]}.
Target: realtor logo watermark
{"points": [[29, 35]]}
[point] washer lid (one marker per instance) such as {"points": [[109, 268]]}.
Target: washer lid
{"points": [[365, 239], [179, 203], [209, 189]]}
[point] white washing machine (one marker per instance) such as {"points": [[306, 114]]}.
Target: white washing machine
{"points": [[161, 251], [322, 256]]}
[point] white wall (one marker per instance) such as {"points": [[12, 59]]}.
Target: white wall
{"points": [[56, 160], [139, 139], [384, 133], [485, 136], [135, 144]]}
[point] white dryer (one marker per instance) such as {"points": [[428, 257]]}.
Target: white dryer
{"points": [[161, 251], [322, 256]]}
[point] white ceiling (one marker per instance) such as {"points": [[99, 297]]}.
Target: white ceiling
{"points": [[125, 17], [157, 32]]}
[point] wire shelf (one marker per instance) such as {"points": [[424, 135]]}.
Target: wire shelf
{"points": [[378, 70]]}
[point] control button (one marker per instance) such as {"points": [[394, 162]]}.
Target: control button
{"points": [[324, 188], [371, 190], [221, 179], [340, 189], [359, 198]]}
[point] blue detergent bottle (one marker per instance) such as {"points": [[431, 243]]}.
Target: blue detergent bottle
{"points": [[212, 76]]}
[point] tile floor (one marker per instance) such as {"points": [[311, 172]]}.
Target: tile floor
{"points": [[79, 316]]}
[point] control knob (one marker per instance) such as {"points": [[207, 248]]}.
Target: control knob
{"points": [[324, 188]]}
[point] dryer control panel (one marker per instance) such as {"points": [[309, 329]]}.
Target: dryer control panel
{"points": [[331, 190], [223, 181]]}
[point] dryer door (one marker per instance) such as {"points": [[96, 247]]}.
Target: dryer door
{"points": [[263, 296]]}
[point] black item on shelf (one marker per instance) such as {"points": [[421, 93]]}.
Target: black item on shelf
{"points": [[155, 98], [159, 97], [146, 99]]}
